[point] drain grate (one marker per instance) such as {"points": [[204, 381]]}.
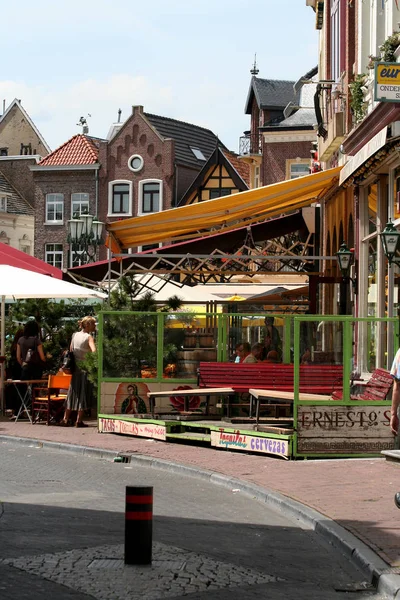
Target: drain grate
{"points": [[360, 586], [123, 458], [106, 563]]}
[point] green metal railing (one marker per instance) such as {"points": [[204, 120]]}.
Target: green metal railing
{"points": [[139, 346]]}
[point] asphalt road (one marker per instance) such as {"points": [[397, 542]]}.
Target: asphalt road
{"points": [[62, 533]]}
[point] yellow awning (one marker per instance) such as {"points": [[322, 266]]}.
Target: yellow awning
{"points": [[227, 212]]}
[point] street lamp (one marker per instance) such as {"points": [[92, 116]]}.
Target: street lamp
{"points": [[84, 235], [390, 238], [345, 258]]}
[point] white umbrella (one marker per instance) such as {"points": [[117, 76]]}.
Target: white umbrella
{"points": [[18, 283]]}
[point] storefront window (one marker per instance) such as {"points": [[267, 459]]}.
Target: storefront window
{"points": [[372, 203]]}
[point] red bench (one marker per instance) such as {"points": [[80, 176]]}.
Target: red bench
{"points": [[377, 387], [314, 379]]}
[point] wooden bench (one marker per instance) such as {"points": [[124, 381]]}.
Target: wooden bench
{"points": [[283, 399], [313, 379], [207, 392]]}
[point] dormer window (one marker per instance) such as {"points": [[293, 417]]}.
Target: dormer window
{"points": [[3, 203], [198, 153]]}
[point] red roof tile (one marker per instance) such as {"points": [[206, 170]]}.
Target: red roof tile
{"points": [[79, 150], [239, 165]]}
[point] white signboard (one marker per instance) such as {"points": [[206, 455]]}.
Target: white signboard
{"points": [[343, 429], [362, 155], [149, 430], [387, 82], [249, 443]]}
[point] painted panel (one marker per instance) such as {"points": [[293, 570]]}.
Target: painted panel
{"points": [[149, 430], [249, 443], [131, 398], [343, 429]]}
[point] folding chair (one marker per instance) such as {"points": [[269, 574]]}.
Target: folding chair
{"points": [[48, 403]]}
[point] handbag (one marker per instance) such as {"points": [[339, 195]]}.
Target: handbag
{"points": [[68, 362], [32, 356]]}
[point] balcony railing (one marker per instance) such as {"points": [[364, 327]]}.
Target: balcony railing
{"points": [[250, 144]]}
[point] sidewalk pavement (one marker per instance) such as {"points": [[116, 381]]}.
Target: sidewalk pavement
{"points": [[357, 494]]}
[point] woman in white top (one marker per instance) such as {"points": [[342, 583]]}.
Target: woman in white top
{"points": [[82, 342]]}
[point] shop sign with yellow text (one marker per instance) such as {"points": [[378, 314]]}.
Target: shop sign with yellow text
{"points": [[387, 82]]}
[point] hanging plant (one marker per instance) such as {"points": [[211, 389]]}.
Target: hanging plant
{"points": [[372, 60], [357, 104], [389, 47]]}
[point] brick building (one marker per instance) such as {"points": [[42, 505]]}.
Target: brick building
{"points": [[145, 165], [282, 128]]}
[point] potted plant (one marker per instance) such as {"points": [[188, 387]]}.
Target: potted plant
{"points": [[389, 47], [358, 105]]}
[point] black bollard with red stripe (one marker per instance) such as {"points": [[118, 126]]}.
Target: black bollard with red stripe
{"points": [[138, 525]]}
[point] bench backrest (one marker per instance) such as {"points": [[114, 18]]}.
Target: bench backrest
{"points": [[268, 375], [378, 386]]}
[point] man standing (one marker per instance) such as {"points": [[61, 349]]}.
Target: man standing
{"points": [[272, 339], [394, 417], [395, 372]]}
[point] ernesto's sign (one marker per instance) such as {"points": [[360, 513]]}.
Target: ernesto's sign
{"points": [[387, 82], [361, 429]]}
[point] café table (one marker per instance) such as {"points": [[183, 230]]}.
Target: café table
{"points": [[24, 390]]}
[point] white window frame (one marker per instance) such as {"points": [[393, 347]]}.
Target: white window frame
{"points": [[335, 40], [80, 254], [257, 176], [3, 203], [296, 161], [53, 253], [49, 202], [83, 204], [140, 248], [142, 183], [110, 198]]}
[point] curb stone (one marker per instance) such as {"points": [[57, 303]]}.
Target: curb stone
{"points": [[373, 567]]}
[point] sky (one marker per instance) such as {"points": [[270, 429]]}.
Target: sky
{"points": [[184, 59]]}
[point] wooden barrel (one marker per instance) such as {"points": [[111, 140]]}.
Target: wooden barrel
{"points": [[206, 340], [189, 360], [190, 340]]}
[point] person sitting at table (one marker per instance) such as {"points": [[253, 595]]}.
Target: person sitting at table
{"points": [[242, 350], [272, 357], [30, 353], [255, 356]]}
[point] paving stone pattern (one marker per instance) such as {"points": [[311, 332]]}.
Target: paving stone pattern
{"points": [[101, 573], [357, 494]]}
